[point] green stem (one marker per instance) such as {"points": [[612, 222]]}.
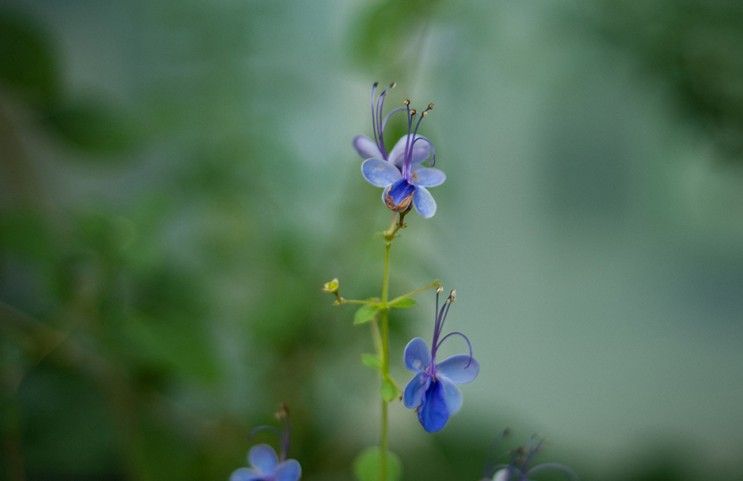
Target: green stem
{"points": [[384, 320]]}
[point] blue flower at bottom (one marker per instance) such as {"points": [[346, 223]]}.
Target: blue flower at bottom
{"points": [[433, 390], [265, 466]]}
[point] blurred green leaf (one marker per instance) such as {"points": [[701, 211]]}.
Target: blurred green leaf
{"points": [[371, 360], [366, 465], [389, 390], [365, 314], [27, 65], [403, 303], [93, 127], [386, 27]]}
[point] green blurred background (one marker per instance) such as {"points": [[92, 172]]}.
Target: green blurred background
{"points": [[177, 181]]}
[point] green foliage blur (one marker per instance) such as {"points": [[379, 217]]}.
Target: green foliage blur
{"points": [[177, 182]]}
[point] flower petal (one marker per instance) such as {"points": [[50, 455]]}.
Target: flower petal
{"points": [[502, 475], [433, 414], [415, 390], [380, 173], [245, 474], [452, 396], [289, 470], [263, 458], [366, 147], [421, 150], [428, 177], [401, 191], [417, 356], [424, 203], [459, 369]]}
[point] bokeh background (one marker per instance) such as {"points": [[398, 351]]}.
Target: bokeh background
{"points": [[177, 181]]}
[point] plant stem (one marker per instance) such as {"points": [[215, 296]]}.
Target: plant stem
{"points": [[384, 320]]}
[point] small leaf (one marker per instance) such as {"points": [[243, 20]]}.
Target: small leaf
{"points": [[366, 465], [371, 360], [365, 314], [403, 303], [389, 390]]}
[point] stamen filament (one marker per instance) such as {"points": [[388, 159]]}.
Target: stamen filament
{"points": [[469, 344]]}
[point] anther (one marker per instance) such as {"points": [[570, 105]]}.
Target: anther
{"points": [[375, 84], [452, 295], [439, 290], [406, 102], [393, 85], [413, 112]]}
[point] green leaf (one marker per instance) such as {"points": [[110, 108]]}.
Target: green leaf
{"points": [[92, 126], [366, 465], [28, 67], [403, 303], [371, 360], [389, 390], [365, 314]]}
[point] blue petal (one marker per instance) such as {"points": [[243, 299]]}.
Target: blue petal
{"points": [[433, 414], [417, 356], [366, 147], [263, 458], [245, 474], [428, 177], [424, 203], [421, 151], [502, 475], [452, 396], [289, 470], [415, 390], [400, 192], [379, 173], [459, 369]]}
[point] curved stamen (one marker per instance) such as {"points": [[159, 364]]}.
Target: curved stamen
{"points": [[410, 113], [379, 123], [533, 446], [374, 118], [429, 143], [283, 415], [440, 317], [466, 339], [390, 114], [408, 157]]}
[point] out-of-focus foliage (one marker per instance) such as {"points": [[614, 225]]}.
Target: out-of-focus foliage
{"points": [[177, 181], [693, 47]]}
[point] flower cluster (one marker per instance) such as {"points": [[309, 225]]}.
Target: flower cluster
{"points": [[400, 172], [433, 391]]}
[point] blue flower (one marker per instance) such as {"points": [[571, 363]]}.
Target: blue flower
{"points": [[520, 469], [400, 172], [433, 391], [265, 466]]}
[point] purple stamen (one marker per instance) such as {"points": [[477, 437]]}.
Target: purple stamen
{"points": [[374, 118], [466, 339], [429, 143], [412, 133], [439, 323], [377, 108], [389, 115]]}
